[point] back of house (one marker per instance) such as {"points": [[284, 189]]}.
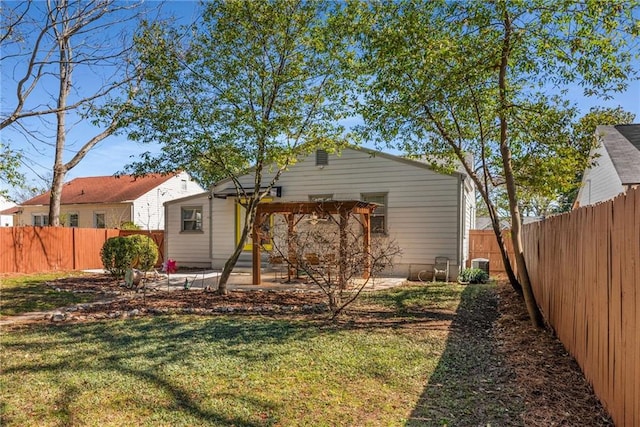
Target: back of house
{"points": [[427, 213]]}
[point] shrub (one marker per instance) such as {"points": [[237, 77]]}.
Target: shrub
{"points": [[473, 275], [117, 255], [129, 225], [135, 251], [145, 251]]}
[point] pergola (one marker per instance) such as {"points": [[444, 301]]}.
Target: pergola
{"points": [[343, 208]]}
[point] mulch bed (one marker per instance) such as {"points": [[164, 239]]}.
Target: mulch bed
{"points": [[554, 389], [120, 301]]}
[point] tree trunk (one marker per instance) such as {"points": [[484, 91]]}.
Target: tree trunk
{"points": [[250, 217], [482, 187], [228, 268], [532, 308], [55, 196], [66, 67], [515, 283]]}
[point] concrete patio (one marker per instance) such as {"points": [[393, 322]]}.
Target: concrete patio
{"points": [[243, 281]]}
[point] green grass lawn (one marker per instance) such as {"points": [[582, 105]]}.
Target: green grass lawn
{"points": [[23, 294], [239, 370]]}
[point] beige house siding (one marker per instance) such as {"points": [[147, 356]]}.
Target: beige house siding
{"points": [[114, 214], [424, 211], [190, 248]]}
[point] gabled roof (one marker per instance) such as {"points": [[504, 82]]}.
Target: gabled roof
{"points": [[103, 189], [421, 163], [10, 211], [622, 143]]}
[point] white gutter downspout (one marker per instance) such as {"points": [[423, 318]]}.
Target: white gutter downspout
{"points": [[166, 231], [461, 224]]}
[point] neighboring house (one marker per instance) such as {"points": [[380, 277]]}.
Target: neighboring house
{"points": [[429, 214], [484, 222], [110, 201], [616, 164], [7, 210]]}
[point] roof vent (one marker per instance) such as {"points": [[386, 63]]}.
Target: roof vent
{"points": [[322, 158]]}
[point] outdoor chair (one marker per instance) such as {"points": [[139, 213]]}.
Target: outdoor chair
{"points": [[441, 266], [277, 265]]}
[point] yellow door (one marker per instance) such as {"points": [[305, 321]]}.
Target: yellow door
{"points": [[266, 236]]}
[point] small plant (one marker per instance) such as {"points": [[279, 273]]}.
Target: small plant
{"points": [[170, 266], [473, 275], [129, 225]]}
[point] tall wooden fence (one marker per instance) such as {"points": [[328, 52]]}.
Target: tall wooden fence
{"points": [[483, 244], [585, 270], [42, 249]]}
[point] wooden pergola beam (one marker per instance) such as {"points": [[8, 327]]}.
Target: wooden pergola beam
{"points": [[344, 208]]}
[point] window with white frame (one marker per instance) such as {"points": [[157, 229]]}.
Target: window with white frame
{"points": [[379, 216], [99, 220], [191, 218], [40, 220]]}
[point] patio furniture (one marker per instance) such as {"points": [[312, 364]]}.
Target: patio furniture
{"points": [[441, 266], [277, 264]]}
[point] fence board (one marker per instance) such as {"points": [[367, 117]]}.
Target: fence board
{"points": [[483, 244], [585, 271], [41, 249]]}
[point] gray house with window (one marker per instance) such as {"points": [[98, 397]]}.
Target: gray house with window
{"points": [[428, 213]]}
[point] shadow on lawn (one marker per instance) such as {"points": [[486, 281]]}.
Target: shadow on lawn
{"points": [[471, 384], [147, 350]]}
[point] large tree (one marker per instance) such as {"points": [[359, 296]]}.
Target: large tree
{"points": [[558, 174], [252, 84], [66, 60], [449, 79]]}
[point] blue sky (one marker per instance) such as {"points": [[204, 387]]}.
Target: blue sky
{"points": [[112, 154]]}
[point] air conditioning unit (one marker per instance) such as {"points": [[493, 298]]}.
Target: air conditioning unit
{"points": [[481, 263]]}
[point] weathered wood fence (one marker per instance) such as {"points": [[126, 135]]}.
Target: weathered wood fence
{"points": [[483, 244], [42, 249], [585, 270]]}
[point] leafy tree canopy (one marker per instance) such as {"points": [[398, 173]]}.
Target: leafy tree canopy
{"points": [[10, 169], [253, 83], [454, 79]]}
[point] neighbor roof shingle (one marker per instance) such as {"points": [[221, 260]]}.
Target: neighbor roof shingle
{"points": [[103, 189]]}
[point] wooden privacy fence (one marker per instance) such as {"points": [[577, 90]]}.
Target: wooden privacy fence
{"points": [[483, 244], [585, 270], [42, 249]]}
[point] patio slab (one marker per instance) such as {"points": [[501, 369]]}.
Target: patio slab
{"points": [[244, 281]]}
